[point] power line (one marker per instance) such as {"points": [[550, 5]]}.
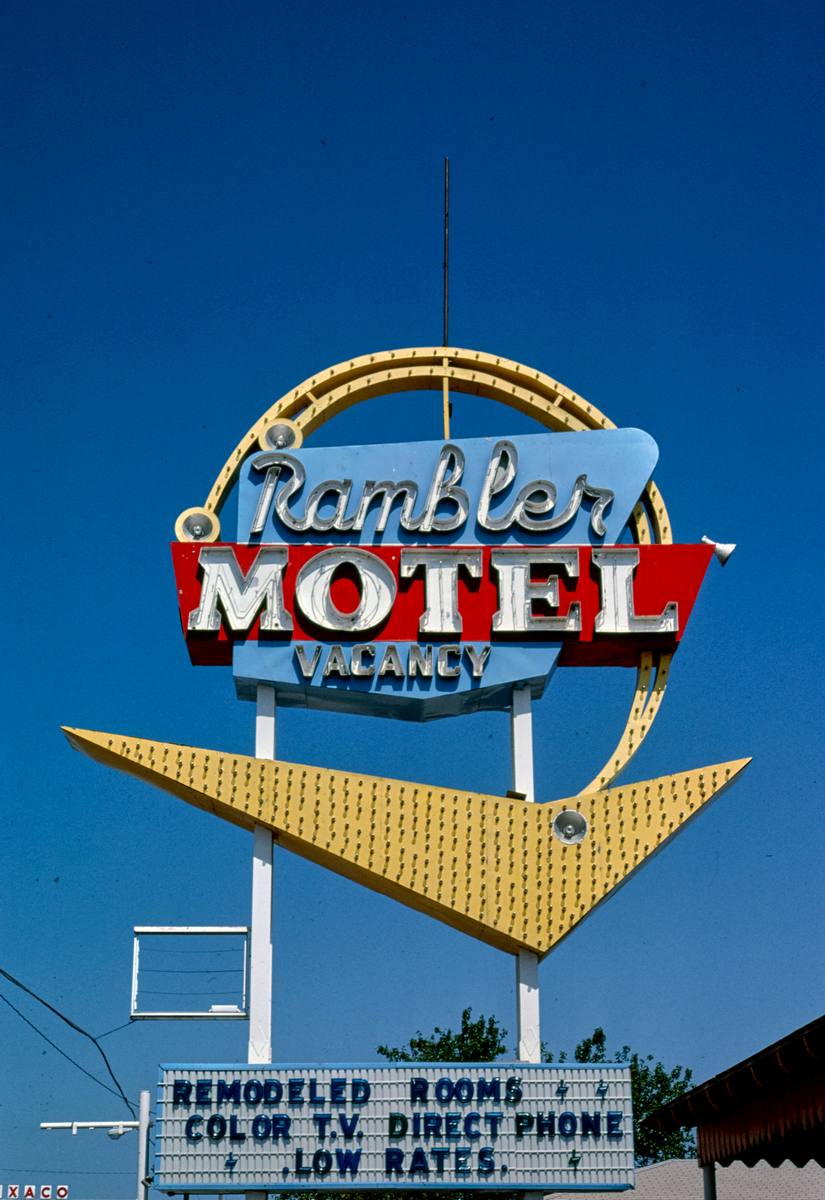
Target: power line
{"points": [[117, 1029], [54, 1046], [77, 1029], [63, 1171]]}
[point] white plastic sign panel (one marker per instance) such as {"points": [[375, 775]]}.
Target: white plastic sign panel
{"points": [[496, 1126]]}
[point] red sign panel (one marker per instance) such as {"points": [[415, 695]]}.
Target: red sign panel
{"points": [[613, 611]]}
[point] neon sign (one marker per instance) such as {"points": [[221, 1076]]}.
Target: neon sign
{"points": [[432, 577]]}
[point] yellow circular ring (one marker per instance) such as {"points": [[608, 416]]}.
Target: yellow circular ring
{"points": [[390, 372]]}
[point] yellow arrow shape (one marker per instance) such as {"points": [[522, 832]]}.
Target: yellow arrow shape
{"points": [[490, 866]]}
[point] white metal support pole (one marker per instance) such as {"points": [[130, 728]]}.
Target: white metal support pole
{"points": [[527, 983], [527, 964], [260, 933], [521, 742], [259, 1049], [143, 1147]]}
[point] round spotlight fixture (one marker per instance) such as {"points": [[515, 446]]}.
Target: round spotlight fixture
{"points": [[197, 525], [569, 826], [282, 434]]}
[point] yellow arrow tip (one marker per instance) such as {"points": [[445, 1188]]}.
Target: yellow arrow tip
{"points": [[78, 738]]}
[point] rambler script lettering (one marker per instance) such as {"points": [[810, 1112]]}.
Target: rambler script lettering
{"points": [[331, 504]]}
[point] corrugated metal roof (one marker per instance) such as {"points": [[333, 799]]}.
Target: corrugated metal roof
{"points": [[770, 1106]]}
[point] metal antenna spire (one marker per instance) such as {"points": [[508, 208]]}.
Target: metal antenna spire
{"points": [[446, 262], [445, 266]]}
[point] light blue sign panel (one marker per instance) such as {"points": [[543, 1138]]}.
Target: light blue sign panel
{"points": [[621, 460], [616, 462], [407, 699]]}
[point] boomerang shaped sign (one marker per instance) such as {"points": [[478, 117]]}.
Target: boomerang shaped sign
{"points": [[516, 875]]}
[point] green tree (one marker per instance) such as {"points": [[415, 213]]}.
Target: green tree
{"points": [[475, 1041], [651, 1086]]}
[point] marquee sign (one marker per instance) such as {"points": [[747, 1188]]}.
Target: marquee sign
{"points": [[469, 567], [436, 1127]]}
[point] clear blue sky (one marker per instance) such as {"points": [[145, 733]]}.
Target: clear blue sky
{"points": [[206, 203]]}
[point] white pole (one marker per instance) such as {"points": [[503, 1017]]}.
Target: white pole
{"points": [[260, 934], [527, 964], [143, 1147], [529, 1028], [521, 742], [259, 1049]]}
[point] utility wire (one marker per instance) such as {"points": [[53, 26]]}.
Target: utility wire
{"points": [[117, 1029], [77, 1029], [54, 1046], [65, 1171]]}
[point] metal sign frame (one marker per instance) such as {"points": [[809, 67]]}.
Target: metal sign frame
{"points": [[216, 1011]]}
